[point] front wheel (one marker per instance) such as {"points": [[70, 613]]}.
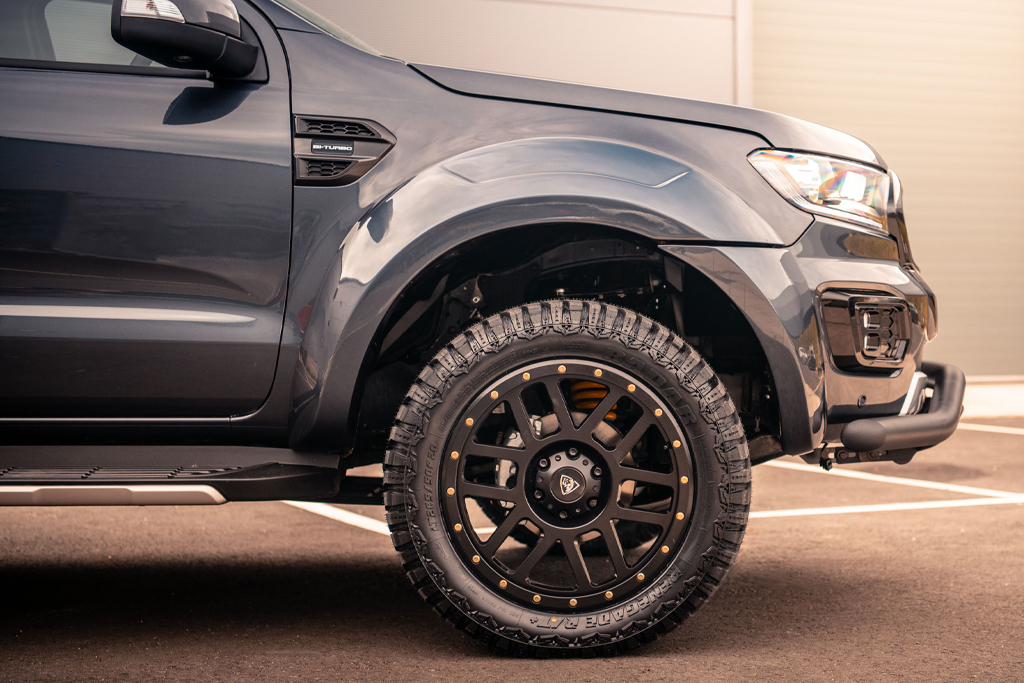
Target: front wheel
{"points": [[546, 523]]}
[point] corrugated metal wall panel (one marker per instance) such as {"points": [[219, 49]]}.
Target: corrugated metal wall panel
{"points": [[684, 48], [937, 86]]}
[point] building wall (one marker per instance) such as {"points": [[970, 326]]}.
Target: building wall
{"points": [[937, 87], [686, 48]]}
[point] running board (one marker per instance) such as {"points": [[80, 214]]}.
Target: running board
{"points": [[164, 485], [110, 495]]}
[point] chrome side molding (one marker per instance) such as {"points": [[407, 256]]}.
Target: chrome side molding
{"points": [[110, 495]]}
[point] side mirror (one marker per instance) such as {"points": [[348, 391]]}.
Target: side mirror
{"points": [[187, 34]]}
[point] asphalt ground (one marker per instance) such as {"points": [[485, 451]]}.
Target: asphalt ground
{"points": [[269, 591]]}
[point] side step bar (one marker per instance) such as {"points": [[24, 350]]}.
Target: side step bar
{"points": [[160, 485], [111, 495]]}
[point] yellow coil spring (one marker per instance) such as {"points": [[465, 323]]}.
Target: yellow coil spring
{"points": [[586, 395]]}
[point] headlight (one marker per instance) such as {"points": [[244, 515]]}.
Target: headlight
{"points": [[826, 186]]}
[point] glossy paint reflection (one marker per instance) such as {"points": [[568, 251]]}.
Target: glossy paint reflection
{"points": [[137, 195]]}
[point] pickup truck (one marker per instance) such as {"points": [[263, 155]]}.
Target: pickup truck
{"points": [[243, 256]]}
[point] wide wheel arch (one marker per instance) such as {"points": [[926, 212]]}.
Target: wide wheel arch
{"points": [[532, 262]]}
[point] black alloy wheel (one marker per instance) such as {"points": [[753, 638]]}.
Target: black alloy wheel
{"points": [[567, 485], [498, 477]]}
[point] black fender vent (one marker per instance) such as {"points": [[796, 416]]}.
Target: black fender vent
{"points": [[334, 151], [322, 168], [335, 128]]}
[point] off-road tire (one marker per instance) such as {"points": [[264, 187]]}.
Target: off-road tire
{"points": [[584, 330]]}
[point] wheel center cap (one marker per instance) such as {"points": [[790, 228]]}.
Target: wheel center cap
{"points": [[568, 485]]}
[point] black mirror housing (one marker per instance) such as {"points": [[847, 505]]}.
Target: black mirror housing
{"points": [[186, 34]]}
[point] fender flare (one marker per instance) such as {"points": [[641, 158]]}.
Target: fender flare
{"points": [[501, 187]]}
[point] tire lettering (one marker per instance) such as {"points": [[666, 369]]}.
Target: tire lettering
{"points": [[430, 503]]}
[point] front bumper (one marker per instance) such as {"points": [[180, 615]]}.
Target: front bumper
{"points": [[898, 437], [824, 386]]}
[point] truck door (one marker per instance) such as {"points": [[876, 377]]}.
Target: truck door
{"points": [[145, 218]]}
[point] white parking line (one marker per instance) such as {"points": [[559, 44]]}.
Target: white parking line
{"points": [[902, 481], [341, 515], [971, 427], [888, 507]]}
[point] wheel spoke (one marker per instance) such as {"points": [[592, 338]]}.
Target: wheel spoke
{"points": [[602, 409], [632, 437], [661, 519], [502, 532], [539, 551], [473, 490], [615, 554], [579, 567], [644, 476], [561, 408], [523, 422], [491, 451]]}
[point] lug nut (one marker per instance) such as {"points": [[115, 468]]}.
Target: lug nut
{"points": [[551, 506], [585, 462], [563, 515], [558, 457], [543, 463], [540, 481], [592, 502], [573, 452], [598, 472], [538, 494]]}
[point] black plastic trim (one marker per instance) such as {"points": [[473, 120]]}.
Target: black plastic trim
{"points": [[914, 431], [46, 65]]}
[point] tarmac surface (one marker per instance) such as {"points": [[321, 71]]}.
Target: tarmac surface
{"points": [[921, 588]]}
